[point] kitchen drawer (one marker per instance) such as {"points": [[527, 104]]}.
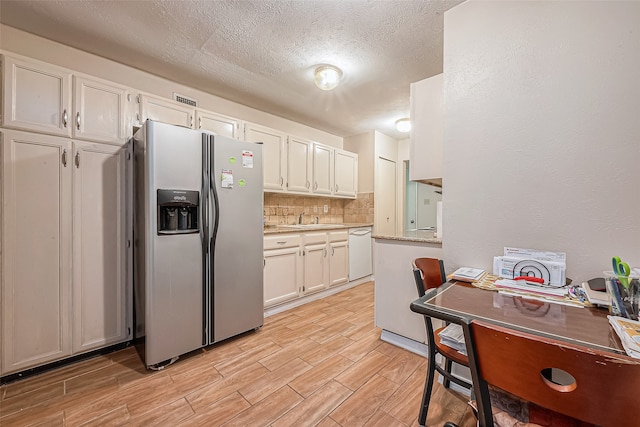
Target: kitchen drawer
{"points": [[315, 238], [282, 241], [338, 236]]}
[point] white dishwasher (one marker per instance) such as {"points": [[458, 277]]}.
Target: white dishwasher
{"points": [[359, 253]]}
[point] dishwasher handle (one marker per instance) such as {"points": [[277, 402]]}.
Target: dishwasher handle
{"points": [[361, 232]]}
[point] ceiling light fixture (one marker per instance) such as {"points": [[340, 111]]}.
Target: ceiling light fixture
{"points": [[403, 125], [327, 77]]}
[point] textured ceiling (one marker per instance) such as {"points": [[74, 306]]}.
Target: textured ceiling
{"points": [[262, 53]]}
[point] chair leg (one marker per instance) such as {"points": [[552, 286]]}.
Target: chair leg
{"points": [[447, 367], [428, 387]]}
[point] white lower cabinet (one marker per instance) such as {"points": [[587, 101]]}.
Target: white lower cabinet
{"points": [[63, 290], [282, 268], [300, 264], [338, 257], [316, 263]]}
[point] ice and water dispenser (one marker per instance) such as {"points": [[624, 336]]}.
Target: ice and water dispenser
{"points": [[178, 211]]}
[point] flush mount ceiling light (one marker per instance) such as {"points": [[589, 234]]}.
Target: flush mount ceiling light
{"points": [[403, 125], [327, 77]]}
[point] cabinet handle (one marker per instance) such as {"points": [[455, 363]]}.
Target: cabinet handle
{"points": [[315, 186], [138, 117], [64, 157], [78, 120], [308, 184], [325, 252], [77, 159], [337, 188], [282, 243], [199, 122], [281, 180], [333, 250], [64, 117], [191, 121]]}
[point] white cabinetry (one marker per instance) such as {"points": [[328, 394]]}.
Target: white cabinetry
{"points": [[36, 242], [99, 241], [37, 97], [425, 147], [44, 317], [299, 164], [166, 111], [316, 263], [273, 154], [218, 124], [345, 173], [282, 268], [99, 110], [322, 169], [338, 257]]}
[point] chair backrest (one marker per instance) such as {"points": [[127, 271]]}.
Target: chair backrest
{"points": [[428, 273], [605, 390]]}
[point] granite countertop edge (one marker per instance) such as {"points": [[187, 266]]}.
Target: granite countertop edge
{"points": [[277, 229], [408, 238]]}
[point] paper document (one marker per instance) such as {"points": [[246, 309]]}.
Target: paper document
{"points": [[629, 332], [453, 336]]}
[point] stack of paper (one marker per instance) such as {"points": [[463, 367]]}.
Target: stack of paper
{"points": [[453, 336], [629, 332], [468, 274]]}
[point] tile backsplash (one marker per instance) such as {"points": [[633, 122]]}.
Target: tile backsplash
{"points": [[285, 209]]}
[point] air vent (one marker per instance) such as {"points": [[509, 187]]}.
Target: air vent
{"points": [[185, 100]]}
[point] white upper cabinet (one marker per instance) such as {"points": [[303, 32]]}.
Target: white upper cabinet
{"points": [[218, 124], [273, 154], [99, 110], [165, 111], [299, 164], [425, 147], [36, 97], [322, 169], [345, 173]]}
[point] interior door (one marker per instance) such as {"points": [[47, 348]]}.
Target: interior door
{"points": [[385, 220]]}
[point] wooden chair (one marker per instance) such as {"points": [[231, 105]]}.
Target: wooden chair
{"points": [[428, 274], [604, 391]]}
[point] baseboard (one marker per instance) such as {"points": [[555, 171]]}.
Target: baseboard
{"points": [[315, 296], [404, 342]]}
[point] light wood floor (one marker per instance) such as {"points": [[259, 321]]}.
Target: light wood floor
{"points": [[319, 364]]}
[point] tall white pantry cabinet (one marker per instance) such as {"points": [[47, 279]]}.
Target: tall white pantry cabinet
{"points": [[65, 233]]}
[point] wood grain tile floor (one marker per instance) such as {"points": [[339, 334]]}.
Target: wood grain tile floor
{"points": [[321, 364]]}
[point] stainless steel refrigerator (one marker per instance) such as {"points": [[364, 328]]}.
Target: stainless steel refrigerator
{"points": [[198, 240]]}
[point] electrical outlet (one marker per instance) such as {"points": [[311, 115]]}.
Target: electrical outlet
{"points": [[315, 209], [326, 208]]}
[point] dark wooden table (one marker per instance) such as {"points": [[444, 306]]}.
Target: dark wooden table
{"points": [[461, 303]]}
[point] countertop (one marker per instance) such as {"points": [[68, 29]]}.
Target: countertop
{"points": [[411, 236], [274, 229]]}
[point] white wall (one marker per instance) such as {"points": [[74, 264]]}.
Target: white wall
{"points": [[542, 132], [32, 46]]}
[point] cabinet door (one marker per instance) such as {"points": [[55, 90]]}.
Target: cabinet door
{"points": [[166, 111], [218, 124], [299, 161], [345, 173], [338, 263], [282, 273], [99, 110], [273, 154], [315, 267], [99, 250], [36, 97], [36, 259], [322, 168]]}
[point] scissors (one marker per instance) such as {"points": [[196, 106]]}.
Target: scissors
{"points": [[622, 270]]}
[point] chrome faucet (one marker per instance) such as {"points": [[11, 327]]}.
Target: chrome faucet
{"points": [[300, 218]]}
